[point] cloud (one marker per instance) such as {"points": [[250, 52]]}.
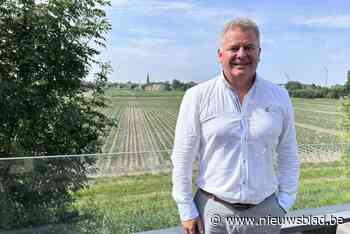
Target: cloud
{"points": [[119, 3], [190, 10], [172, 6], [167, 38], [151, 6], [222, 14], [146, 18], [338, 21]]}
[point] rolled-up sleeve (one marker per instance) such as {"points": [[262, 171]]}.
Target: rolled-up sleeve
{"points": [[185, 150], [288, 158]]}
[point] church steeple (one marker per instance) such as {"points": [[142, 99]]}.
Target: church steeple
{"points": [[147, 81]]}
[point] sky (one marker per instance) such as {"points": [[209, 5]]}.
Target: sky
{"points": [[303, 40]]}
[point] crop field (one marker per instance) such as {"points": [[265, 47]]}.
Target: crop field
{"points": [[143, 135], [132, 191]]}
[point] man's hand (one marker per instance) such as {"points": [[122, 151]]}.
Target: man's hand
{"points": [[190, 226]]}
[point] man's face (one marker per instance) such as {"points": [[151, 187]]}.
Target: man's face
{"points": [[239, 54]]}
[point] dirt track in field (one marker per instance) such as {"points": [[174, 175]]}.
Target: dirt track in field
{"points": [[317, 111], [323, 130]]}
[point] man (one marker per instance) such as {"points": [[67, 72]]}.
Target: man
{"points": [[240, 127]]}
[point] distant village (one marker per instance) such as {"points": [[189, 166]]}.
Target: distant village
{"points": [[295, 88], [154, 86]]}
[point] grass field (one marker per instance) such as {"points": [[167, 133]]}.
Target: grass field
{"points": [[145, 122], [137, 203]]}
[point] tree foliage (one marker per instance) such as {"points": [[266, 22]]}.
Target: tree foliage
{"points": [[347, 83], [178, 85], [46, 50], [297, 89], [293, 85]]}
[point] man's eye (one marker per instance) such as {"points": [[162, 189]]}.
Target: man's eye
{"points": [[234, 49], [249, 48]]}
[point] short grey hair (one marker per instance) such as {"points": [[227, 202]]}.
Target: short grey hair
{"points": [[242, 23]]}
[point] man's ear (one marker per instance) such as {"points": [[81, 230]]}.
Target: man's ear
{"points": [[259, 52], [219, 53]]}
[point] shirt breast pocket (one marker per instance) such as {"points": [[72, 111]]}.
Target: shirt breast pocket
{"points": [[266, 123], [220, 129]]}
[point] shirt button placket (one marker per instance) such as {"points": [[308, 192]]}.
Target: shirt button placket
{"points": [[241, 157], [245, 151]]}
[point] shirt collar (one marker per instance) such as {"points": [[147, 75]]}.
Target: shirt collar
{"points": [[225, 82]]}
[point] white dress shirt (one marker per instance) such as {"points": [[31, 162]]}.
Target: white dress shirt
{"points": [[245, 152]]}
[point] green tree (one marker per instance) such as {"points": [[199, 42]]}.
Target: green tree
{"points": [[293, 85], [46, 50], [176, 84], [188, 85], [347, 83]]}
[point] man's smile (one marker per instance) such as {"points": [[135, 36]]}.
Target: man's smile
{"points": [[240, 65]]}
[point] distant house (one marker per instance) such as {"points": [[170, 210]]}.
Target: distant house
{"points": [[154, 87]]}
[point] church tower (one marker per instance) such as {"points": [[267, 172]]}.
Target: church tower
{"points": [[147, 81]]}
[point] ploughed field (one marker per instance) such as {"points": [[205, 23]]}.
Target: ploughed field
{"points": [[145, 124], [142, 138]]}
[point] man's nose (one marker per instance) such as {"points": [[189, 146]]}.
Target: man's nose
{"points": [[241, 52]]}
